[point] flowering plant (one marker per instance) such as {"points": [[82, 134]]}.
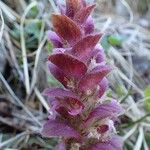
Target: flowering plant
{"points": [[81, 115]]}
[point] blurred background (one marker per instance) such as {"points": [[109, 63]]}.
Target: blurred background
{"points": [[24, 74]]}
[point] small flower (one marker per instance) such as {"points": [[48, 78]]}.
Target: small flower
{"points": [[80, 115], [61, 146], [115, 143], [55, 39]]}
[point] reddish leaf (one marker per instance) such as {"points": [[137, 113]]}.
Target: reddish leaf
{"points": [[59, 92], [91, 80], [72, 6], [58, 128], [107, 110], [58, 74], [82, 15], [86, 44], [66, 28], [68, 64]]}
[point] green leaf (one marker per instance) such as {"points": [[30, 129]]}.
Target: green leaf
{"points": [[49, 47], [115, 40], [34, 28], [109, 93], [147, 98], [33, 12], [120, 91]]}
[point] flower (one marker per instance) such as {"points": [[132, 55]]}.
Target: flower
{"points": [[81, 115]]}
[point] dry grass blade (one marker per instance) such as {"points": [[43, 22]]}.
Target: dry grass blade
{"points": [[2, 26], [106, 25], [18, 101], [53, 5], [42, 100], [23, 47], [12, 15], [130, 133], [23, 4], [38, 52], [13, 55], [139, 141], [7, 142], [130, 82], [129, 9]]}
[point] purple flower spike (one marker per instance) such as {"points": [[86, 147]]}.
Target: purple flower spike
{"points": [[81, 115]]}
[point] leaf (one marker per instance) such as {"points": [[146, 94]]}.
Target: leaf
{"points": [[120, 91], [86, 44], [109, 93], [33, 12], [66, 28], [49, 47], [82, 15], [68, 64], [34, 28], [72, 6], [59, 128], [91, 79], [147, 98], [115, 40]]}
